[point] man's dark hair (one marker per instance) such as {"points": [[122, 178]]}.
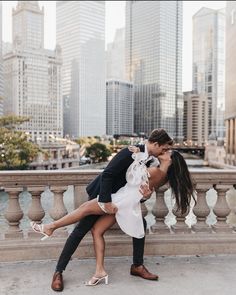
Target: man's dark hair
{"points": [[160, 136]]}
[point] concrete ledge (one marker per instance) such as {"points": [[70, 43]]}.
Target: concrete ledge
{"points": [[121, 245]]}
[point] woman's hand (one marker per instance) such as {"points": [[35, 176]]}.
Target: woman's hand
{"points": [[144, 189]]}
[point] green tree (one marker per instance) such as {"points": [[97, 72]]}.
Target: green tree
{"points": [[98, 152], [86, 141], [16, 152]]}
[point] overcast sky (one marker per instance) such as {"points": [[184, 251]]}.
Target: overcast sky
{"points": [[115, 18]]}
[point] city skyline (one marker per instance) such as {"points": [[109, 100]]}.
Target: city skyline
{"points": [[115, 18]]}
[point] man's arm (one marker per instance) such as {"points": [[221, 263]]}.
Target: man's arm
{"points": [[145, 190], [119, 163]]}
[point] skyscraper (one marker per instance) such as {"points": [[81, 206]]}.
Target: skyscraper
{"points": [[230, 85], [154, 64], [209, 63], [115, 56], [119, 92], [119, 107], [28, 24], [80, 33], [195, 123], [33, 75]]}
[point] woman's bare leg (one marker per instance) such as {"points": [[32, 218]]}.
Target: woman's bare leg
{"points": [[100, 227], [88, 208]]}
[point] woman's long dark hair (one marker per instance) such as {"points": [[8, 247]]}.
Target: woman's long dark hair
{"points": [[180, 181]]}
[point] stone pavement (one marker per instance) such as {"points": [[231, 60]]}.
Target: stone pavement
{"points": [[182, 275]]}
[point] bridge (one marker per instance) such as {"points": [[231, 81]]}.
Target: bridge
{"points": [[194, 253], [194, 150]]}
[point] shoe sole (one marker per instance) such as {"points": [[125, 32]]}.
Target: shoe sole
{"points": [[57, 290]]}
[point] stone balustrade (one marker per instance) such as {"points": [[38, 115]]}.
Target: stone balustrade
{"points": [[191, 233]]}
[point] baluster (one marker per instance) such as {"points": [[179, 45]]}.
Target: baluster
{"points": [[201, 210], [80, 195], [160, 211], [13, 213], [58, 210], [231, 198], [180, 227], [221, 210], [36, 212]]}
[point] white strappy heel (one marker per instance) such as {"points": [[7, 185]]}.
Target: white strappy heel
{"points": [[38, 228], [94, 281]]}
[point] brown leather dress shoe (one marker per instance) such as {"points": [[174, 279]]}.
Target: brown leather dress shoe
{"points": [[57, 282], [142, 272]]}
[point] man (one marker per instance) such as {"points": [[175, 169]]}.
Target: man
{"points": [[108, 182]]}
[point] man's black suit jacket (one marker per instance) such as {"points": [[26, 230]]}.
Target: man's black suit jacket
{"points": [[113, 176]]}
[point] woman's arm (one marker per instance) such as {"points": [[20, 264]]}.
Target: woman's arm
{"points": [[157, 177]]}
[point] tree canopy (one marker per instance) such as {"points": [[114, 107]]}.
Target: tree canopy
{"points": [[86, 141], [16, 152], [98, 152]]}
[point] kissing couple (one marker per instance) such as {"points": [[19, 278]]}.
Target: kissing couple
{"points": [[116, 195]]}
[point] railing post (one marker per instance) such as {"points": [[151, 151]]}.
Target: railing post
{"points": [[231, 198], [201, 210], [36, 212], [13, 213], [58, 210], [180, 227], [160, 211], [80, 195], [221, 210]]}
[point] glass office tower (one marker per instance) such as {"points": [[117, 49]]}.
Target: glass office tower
{"points": [[209, 65], [154, 64], [81, 35]]}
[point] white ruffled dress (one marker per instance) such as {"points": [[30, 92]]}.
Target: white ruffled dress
{"points": [[127, 198]]}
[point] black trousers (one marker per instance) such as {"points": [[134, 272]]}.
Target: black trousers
{"points": [[81, 230]]}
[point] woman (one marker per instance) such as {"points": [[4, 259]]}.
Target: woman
{"points": [[127, 200]]}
